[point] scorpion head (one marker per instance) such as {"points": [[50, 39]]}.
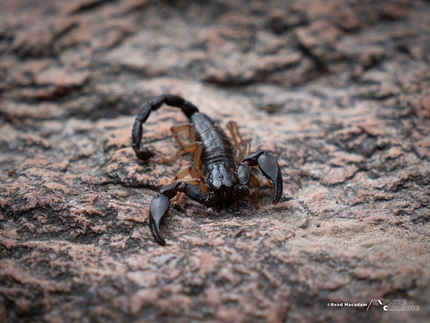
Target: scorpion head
{"points": [[224, 183]]}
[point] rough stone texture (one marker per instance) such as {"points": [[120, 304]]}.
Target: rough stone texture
{"points": [[339, 90]]}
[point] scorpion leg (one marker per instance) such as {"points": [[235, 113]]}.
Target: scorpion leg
{"points": [[189, 170], [268, 165], [242, 148], [191, 147], [177, 128], [254, 180], [194, 170], [180, 175], [160, 204], [136, 135]]}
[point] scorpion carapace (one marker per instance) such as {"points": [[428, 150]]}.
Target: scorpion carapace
{"points": [[221, 168]]}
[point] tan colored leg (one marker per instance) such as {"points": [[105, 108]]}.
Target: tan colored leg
{"points": [[182, 173], [188, 148], [177, 128], [254, 180], [198, 155], [232, 126], [193, 170], [196, 170], [195, 147], [242, 148], [244, 152]]}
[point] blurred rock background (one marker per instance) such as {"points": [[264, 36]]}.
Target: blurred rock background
{"points": [[338, 90]]}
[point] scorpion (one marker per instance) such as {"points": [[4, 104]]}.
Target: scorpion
{"points": [[221, 168]]}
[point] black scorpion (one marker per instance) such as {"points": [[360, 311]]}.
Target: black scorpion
{"points": [[220, 172]]}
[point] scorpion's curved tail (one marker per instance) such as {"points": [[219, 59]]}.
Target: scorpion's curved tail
{"points": [[174, 101]]}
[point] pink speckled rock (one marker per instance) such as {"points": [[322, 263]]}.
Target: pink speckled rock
{"points": [[338, 90]]}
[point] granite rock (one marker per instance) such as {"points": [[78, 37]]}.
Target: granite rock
{"points": [[338, 90]]}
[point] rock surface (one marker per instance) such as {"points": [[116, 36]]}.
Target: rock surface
{"points": [[338, 90]]}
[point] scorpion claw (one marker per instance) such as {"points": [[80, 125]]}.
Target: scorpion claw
{"points": [[270, 168], [268, 165], [157, 210]]}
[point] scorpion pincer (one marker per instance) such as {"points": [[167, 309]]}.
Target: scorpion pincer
{"points": [[221, 168]]}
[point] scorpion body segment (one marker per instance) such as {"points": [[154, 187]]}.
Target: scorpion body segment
{"points": [[220, 172], [218, 161]]}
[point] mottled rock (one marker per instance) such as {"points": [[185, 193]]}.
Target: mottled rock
{"points": [[338, 90]]}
